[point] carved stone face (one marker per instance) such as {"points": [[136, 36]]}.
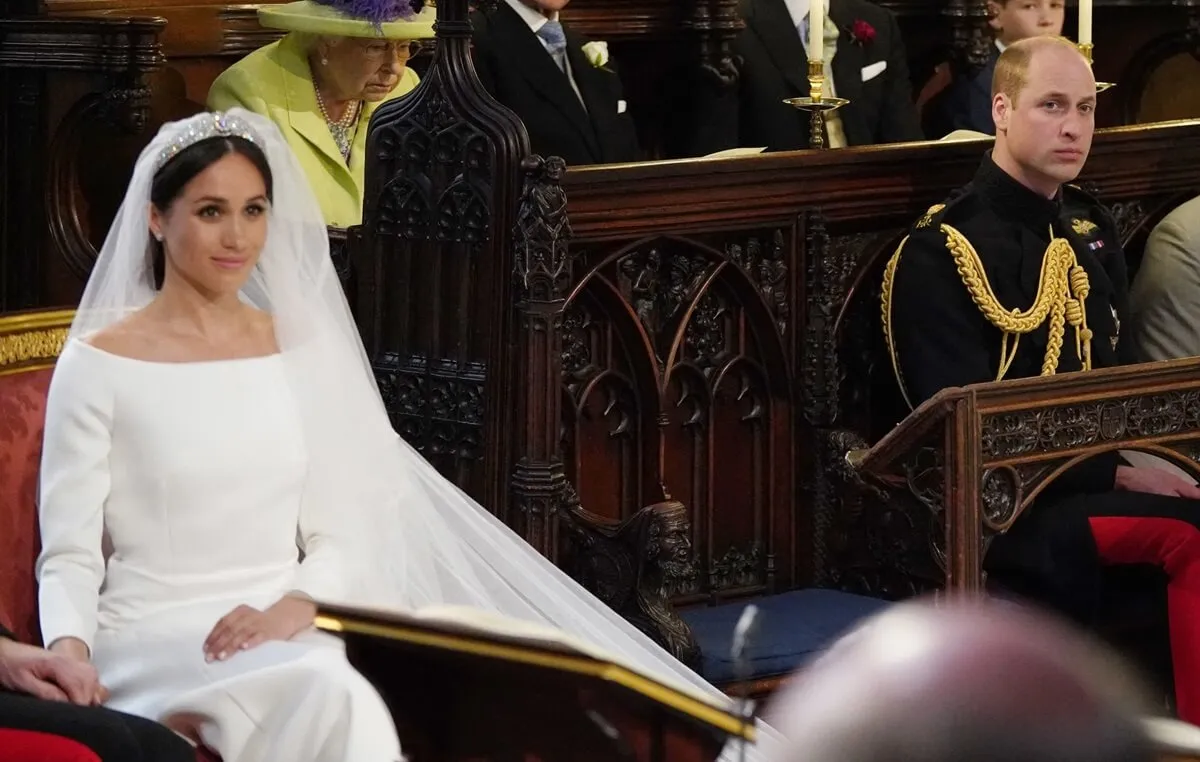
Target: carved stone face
{"points": [[673, 548], [555, 168]]}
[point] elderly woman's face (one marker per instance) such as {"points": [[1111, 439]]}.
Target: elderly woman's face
{"points": [[362, 69]]}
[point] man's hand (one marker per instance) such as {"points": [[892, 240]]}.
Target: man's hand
{"points": [[246, 627], [49, 675], [72, 648], [1155, 481]]}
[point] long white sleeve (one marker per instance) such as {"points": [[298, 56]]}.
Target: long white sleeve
{"points": [[75, 482], [322, 572]]}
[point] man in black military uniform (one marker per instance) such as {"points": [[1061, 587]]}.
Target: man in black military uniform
{"points": [[49, 694], [1017, 238]]}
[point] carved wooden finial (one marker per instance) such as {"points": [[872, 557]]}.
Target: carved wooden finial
{"points": [[442, 183]]}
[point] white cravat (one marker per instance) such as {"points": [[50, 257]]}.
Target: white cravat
{"points": [[536, 21]]}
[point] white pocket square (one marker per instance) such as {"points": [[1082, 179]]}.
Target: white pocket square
{"points": [[871, 71], [621, 106]]}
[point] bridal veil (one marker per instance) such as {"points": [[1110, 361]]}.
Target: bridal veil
{"points": [[411, 538]]}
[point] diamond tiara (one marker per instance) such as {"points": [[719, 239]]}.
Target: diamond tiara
{"points": [[209, 126]]}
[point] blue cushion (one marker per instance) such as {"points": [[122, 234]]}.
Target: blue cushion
{"points": [[793, 627]]}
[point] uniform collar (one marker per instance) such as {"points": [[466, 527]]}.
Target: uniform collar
{"points": [[1013, 199]]}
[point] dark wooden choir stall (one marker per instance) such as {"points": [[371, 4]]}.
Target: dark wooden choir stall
{"points": [[651, 372]]}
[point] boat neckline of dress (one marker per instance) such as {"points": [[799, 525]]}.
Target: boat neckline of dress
{"points": [[216, 361]]}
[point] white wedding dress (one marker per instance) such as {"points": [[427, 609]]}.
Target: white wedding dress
{"points": [[172, 493]]}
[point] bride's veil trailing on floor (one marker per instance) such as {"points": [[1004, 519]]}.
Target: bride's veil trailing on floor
{"points": [[410, 538]]}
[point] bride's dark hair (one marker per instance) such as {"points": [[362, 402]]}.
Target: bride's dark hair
{"points": [[172, 177]]}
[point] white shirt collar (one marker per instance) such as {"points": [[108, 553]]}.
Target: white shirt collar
{"points": [[533, 18], [798, 10], [1000, 46]]}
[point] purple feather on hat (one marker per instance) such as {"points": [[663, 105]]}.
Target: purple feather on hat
{"points": [[374, 11]]}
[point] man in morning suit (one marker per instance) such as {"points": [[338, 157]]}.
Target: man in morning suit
{"points": [[564, 88], [1165, 300], [864, 53], [58, 699], [948, 298]]}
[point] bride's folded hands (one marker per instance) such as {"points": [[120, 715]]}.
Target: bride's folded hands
{"points": [[246, 627]]}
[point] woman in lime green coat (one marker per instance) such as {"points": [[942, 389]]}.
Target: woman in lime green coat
{"points": [[321, 83]]}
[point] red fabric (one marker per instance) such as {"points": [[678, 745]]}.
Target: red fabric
{"points": [[22, 418], [1173, 545], [32, 746]]}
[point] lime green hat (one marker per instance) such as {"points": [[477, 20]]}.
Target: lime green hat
{"points": [[379, 19]]}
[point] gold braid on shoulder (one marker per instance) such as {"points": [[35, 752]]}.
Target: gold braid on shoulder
{"points": [[1061, 298]]}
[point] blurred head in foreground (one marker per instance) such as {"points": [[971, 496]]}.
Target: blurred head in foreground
{"points": [[986, 682]]}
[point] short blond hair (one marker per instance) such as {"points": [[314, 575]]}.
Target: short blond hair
{"points": [[1012, 67]]}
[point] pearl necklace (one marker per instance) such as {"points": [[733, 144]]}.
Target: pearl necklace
{"points": [[343, 129]]}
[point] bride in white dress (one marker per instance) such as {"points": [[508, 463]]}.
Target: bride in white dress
{"points": [[217, 457]]}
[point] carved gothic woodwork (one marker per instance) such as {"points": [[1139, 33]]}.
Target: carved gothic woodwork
{"points": [[972, 37], [672, 348], [542, 277], [634, 566], [631, 565], [433, 265], [716, 24], [118, 55], [793, 271], [241, 34], [991, 448]]}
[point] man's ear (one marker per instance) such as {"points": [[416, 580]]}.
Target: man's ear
{"points": [[1001, 111]]}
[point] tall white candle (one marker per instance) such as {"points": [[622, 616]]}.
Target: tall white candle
{"points": [[816, 30], [1085, 22]]}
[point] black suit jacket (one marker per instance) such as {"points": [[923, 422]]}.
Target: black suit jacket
{"points": [[516, 69], [881, 110]]}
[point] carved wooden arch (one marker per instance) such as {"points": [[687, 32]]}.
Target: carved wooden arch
{"points": [[868, 273], [1145, 62], [65, 203], [124, 52], [652, 329], [748, 294], [1008, 492], [598, 318]]}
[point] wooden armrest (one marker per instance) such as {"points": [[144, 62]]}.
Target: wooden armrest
{"points": [[632, 565]]}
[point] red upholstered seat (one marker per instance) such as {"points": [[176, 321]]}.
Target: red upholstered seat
{"points": [[22, 414], [29, 344]]}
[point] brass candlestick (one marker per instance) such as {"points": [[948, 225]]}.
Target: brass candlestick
{"points": [[1086, 49], [816, 104]]}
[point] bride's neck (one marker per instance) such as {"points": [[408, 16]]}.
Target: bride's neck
{"points": [[187, 310]]}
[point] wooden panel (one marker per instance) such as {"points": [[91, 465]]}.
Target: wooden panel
{"points": [[722, 341]]}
